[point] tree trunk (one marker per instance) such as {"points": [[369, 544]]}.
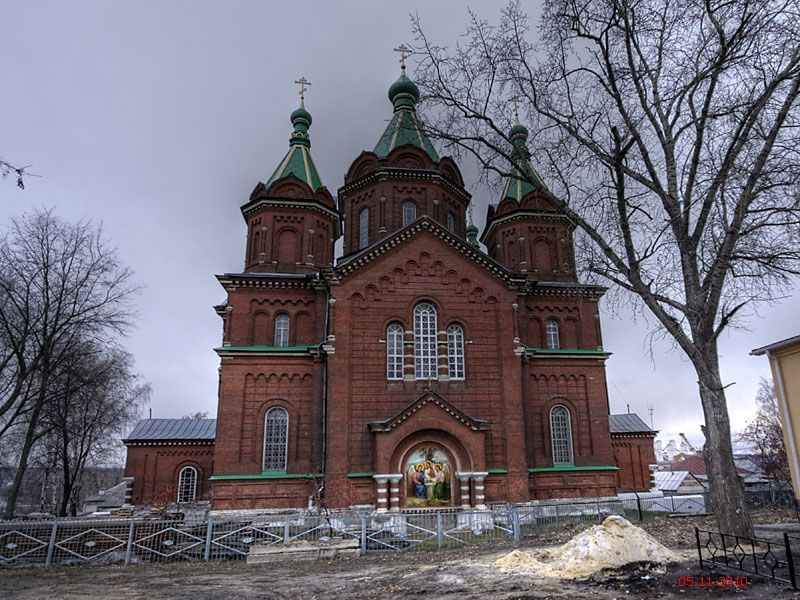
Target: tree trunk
{"points": [[727, 491], [22, 466]]}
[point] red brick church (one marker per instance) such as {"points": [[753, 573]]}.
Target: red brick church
{"points": [[415, 370]]}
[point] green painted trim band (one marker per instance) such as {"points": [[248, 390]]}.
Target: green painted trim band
{"points": [[268, 475], [267, 348], [360, 474], [567, 351], [565, 468], [498, 471]]}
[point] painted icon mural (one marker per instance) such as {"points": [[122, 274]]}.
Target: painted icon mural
{"points": [[428, 475]]}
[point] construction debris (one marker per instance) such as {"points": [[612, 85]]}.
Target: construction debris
{"points": [[611, 545]]}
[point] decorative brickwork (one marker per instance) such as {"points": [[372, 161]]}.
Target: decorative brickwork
{"points": [[408, 416]]}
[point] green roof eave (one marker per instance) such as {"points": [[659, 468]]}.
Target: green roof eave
{"points": [[298, 162], [567, 351], [360, 474], [565, 468], [404, 129], [268, 475], [275, 349]]}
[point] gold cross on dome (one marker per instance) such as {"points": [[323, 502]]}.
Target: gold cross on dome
{"points": [[516, 100], [404, 51], [303, 83]]}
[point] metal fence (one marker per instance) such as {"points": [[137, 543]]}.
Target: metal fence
{"points": [[773, 560], [45, 543]]}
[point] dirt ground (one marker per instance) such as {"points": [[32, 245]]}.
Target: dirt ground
{"points": [[466, 573]]}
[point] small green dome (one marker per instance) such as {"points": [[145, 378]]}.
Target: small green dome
{"points": [[302, 115], [472, 227], [403, 92], [518, 132]]}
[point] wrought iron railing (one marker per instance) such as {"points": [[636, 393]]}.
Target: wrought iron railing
{"points": [[765, 558]]}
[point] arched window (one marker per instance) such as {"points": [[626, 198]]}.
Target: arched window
{"points": [[363, 228], [425, 341], [282, 330], [455, 351], [451, 222], [551, 334], [276, 436], [561, 435], [409, 213], [187, 484], [394, 351]]}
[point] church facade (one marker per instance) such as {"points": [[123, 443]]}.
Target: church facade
{"points": [[415, 370]]}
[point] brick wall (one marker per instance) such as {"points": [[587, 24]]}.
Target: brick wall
{"points": [[155, 469], [633, 455]]}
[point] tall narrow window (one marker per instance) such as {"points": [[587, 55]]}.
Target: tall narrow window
{"points": [[187, 484], [451, 222], [455, 351], [276, 436], [551, 334], [363, 228], [561, 435], [282, 330], [394, 351], [425, 358], [409, 213]]}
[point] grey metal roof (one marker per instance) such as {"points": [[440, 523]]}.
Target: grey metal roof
{"points": [[173, 429], [628, 423], [669, 481]]}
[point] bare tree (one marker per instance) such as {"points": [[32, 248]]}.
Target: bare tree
{"points": [[96, 396], [667, 131], [764, 435], [61, 287], [19, 173], [200, 414]]}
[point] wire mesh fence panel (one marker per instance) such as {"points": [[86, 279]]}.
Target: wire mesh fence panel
{"points": [[80, 542], [25, 544], [475, 528], [395, 531], [233, 539], [164, 542]]}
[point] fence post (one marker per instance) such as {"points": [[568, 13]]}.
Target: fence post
{"points": [[129, 546], [639, 506], [557, 516], [439, 531], [286, 530], [52, 545], [699, 551], [790, 560], [363, 535], [209, 530], [515, 524], [673, 503]]}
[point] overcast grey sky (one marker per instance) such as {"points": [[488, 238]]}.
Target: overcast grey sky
{"points": [[158, 118]]}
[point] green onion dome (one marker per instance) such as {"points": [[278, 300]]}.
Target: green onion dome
{"points": [[404, 92]]}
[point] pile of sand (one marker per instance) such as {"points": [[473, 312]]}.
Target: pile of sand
{"points": [[613, 544]]}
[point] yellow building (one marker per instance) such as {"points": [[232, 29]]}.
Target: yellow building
{"points": [[784, 360]]}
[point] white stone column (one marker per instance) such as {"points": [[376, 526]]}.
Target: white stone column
{"points": [[394, 492], [464, 478], [480, 498], [381, 491]]}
